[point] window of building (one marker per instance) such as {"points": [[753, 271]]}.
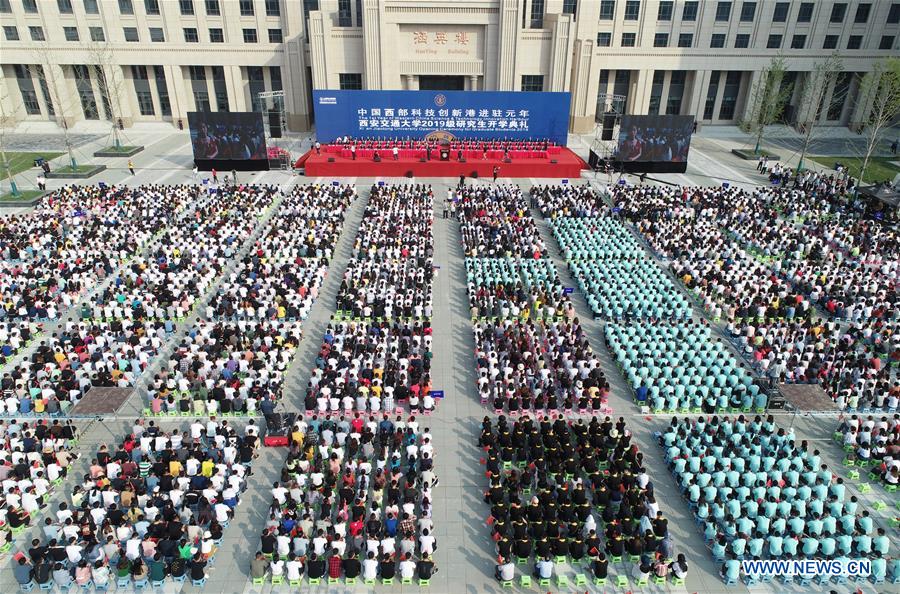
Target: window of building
{"points": [[665, 10], [126, 7], [359, 13], [742, 40], [607, 9], [345, 16], [676, 92], [622, 84], [717, 40], [219, 87], [690, 11], [532, 82], [730, 95], [537, 14], [257, 86], [350, 81], [201, 101], [273, 8], [151, 7], [212, 8], [191, 35], [91, 7], [197, 72], [839, 96], [774, 41], [65, 6], [5, 7], [628, 39], [748, 12], [10, 33], [86, 92], [854, 42], [158, 36], [30, 6], [604, 39], [309, 6], [186, 7], [780, 14], [131, 34], [142, 90], [250, 36], [275, 78], [71, 33], [830, 42], [661, 40], [97, 34], [894, 14], [723, 12], [37, 33], [686, 40], [162, 90], [632, 10], [798, 41], [570, 7], [804, 15], [246, 7], [886, 43], [656, 89], [26, 89], [838, 12], [275, 36], [862, 13], [216, 35]]}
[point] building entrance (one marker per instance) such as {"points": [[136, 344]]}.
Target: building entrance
{"points": [[442, 83]]}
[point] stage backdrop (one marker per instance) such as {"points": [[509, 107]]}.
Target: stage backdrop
{"points": [[461, 114]]}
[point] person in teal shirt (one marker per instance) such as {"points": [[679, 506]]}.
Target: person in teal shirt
{"points": [[881, 543], [776, 545], [878, 569], [827, 544], [810, 546], [731, 569]]}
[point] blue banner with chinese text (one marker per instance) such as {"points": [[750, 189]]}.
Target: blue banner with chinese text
{"points": [[460, 114]]}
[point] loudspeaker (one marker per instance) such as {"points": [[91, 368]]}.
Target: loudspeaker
{"points": [[463, 160], [409, 174], [554, 161], [474, 175], [377, 159], [445, 154], [423, 160], [275, 124], [331, 159], [507, 160], [609, 122]]}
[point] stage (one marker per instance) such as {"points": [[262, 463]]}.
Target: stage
{"points": [[568, 165]]}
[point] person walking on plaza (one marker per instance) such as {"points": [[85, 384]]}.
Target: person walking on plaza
{"points": [[215, 175], [396, 152], [234, 176], [462, 180], [131, 166], [353, 152], [41, 182], [496, 172], [318, 147]]}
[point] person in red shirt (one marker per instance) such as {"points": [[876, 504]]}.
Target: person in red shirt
{"points": [[335, 565]]}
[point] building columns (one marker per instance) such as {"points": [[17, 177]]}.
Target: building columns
{"points": [[640, 95], [178, 97], [473, 83], [697, 95], [508, 33], [237, 89]]}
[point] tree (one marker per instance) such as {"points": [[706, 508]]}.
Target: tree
{"points": [[813, 90], [103, 62], [879, 98], [46, 72], [768, 99], [6, 119]]}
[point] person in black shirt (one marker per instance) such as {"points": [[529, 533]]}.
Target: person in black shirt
{"points": [[387, 567], [600, 566], [177, 568], [425, 568], [198, 567], [315, 569], [352, 567], [42, 572]]}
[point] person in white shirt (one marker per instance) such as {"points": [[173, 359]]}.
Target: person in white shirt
{"points": [[427, 543], [294, 568], [369, 567], [506, 571], [407, 568]]}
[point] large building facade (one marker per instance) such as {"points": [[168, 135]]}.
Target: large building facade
{"points": [[156, 60]]}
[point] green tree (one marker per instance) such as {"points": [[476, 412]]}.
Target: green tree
{"points": [[768, 98]]}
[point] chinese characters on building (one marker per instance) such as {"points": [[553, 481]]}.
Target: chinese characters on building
{"points": [[389, 119], [439, 38]]}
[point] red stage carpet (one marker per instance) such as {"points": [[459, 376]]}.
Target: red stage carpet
{"points": [[568, 165]]}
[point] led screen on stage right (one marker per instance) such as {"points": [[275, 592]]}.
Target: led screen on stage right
{"points": [[655, 138]]}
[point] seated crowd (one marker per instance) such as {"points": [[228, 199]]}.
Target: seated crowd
{"points": [[574, 492], [14, 336], [679, 367], [372, 367], [568, 201], [225, 367], [495, 223], [757, 494], [154, 506], [34, 458], [354, 501], [501, 288], [282, 274], [391, 271], [82, 355], [875, 443]]}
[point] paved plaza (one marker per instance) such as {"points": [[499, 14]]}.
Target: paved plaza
{"points": [[465, 554]]}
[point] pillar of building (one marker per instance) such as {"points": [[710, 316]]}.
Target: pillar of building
{"points": [[372, 43], [178, 87], [412, 82], [237, 88], [750, 96], [122, 98], [585, 81], [509, 37], [317, 26], [561, 47], [639, 97], [696, 97], [473, 82]]}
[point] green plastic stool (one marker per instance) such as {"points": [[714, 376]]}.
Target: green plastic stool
{"points": [[580, 579], [621, 581], [562, 581], [525, 581]]}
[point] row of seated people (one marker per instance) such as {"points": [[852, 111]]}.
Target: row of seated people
{"points": [[568, 201], [181, 267], [873, 443], [494, 222], [757, 494], [354, 499], [34, 458], [501, 288], [77, 236], [158, 500], [14, 336], [66, 365], [754, 298], [282, 274], [225, 368], [573, 492], [391, 272], [372, 366], [528, 366], [680, 367]]}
